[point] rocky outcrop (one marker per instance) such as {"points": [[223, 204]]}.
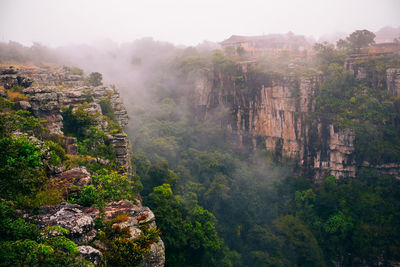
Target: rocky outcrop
{"points": [[71, 217], [79, 221], [122, 147], [58, 88], [48, 92], [137, 214], [276, 112], [72, 181]]}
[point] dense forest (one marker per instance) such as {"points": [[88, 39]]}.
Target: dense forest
{"points": [[216, 201]]}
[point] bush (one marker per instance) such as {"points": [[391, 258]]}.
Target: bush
{"points": [[89, 196], [76, 122], [97, 144], [57, 153], [107, 109], [113, 186], [123, 251], [95, 79], [13, 228], [21, 170], [19, 120]]}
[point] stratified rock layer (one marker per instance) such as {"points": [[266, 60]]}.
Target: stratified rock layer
{"points": [[275, 112], [48, 92]]}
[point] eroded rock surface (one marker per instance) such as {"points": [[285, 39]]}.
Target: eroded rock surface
{"points": [[91, 254], [275, 112], [80, 222], [70, 217]]}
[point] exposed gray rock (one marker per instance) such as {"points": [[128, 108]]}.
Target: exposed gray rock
{"points": [[122, 145], [25, 105], [70, 217], [156, 257], [91, 254]]}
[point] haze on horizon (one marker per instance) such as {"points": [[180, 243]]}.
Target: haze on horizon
{"points": [[189, 22]]}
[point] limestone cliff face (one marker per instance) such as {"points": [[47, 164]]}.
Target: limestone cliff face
{"points": [[275, 112], [48, 91]]}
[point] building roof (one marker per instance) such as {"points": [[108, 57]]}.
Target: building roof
{"points": [[286, 38], [385, 44]]}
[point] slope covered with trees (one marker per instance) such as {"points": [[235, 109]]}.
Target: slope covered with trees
{"points": [[217, 203]]}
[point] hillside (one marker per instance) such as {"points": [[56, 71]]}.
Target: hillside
{"points": [[65, 167]]}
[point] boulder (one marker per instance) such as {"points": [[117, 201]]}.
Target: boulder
{"points": [[90, 254], [72, 181], [70, 217], [25, 105]]}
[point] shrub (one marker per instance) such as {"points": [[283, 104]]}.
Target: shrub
{"points": [[123, 251], [57, 153], [21, 170], [56, 251], [17, 96], [95, 79], [106, 108], [89, 196], [13, 228], [97, 144], [76, 122], [113, 185], [19, 120]]}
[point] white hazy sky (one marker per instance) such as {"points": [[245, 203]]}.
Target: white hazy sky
{"points": [[57, 22]]}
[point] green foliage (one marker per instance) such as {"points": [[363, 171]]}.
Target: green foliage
{"points": [[31, 253], [89, 196], [190, 64], [95, 79], [76, 122], [107, 109], [357, 40], [96, 144], [222, 63], [122, 250], [57, 153], [106, 187], [189, 231], [114, 185], [74, 70], [21, 244], [368, 111], [327, 55], [300, 239], [21, 120], [56, 228], [21, 171], [14, 228]]}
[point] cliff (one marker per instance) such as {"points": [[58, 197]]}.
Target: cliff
{"points": [[276, 112], [46, 93]]}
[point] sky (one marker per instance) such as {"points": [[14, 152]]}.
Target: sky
{"points": [[185, 22]]}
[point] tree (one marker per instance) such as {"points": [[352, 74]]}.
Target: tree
{"points": [[360, 39], [95, 79]]}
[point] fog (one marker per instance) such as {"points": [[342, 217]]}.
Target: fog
{"points": [[55, 23]]}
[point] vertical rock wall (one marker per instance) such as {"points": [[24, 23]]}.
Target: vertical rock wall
{"points": [[275, 112]]}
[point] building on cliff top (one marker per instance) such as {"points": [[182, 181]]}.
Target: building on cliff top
{"points": [[384, 48], [271, 44]]}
